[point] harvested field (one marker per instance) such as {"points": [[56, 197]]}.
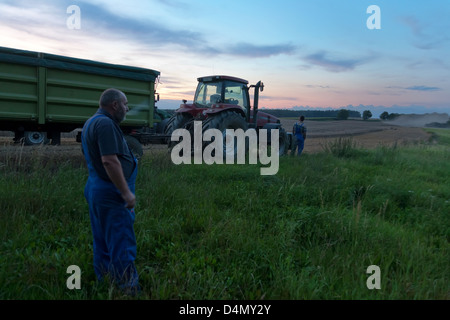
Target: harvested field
{"points": [[366, 134]]}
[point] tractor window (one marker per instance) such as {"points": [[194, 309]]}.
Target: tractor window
{"points": [[235, 93], [208, 94]]}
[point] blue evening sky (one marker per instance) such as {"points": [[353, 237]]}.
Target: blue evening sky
{"points": [[308, 53]]}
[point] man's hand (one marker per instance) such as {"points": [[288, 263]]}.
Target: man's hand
{"points": [[130, 199]]}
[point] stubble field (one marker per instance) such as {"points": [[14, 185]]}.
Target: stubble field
{"points": [[365, 134]]}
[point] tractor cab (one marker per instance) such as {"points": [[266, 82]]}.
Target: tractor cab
{"points": [[223, 92], [218, 93]]}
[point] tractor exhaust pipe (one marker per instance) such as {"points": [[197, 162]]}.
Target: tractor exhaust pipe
{"points": [[258, 87]]}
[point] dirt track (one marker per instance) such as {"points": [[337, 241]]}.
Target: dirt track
{"points": [[367, 134]]}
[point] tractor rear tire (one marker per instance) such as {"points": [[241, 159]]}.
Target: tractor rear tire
{"points": [[177, 121], [226, 120]]}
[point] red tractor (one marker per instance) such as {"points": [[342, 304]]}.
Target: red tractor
{"points": [[223, 102]]}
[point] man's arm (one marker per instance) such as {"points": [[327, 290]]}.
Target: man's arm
{"points": [[114, 170]]}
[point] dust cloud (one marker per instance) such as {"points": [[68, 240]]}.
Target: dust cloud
{"points": [[419, 120]]}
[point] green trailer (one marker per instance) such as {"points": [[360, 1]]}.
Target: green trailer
{"points": [[43, 95]]}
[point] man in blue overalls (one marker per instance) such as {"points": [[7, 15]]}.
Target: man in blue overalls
{"points": [[299, 134], [110, 192]]}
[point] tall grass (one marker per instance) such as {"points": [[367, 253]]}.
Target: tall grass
{"points": [[341, 147], [226, 232]]}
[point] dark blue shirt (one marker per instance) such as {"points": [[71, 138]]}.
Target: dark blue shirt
{"points": [[104, 137]]}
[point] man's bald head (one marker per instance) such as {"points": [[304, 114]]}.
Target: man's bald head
{"points": [[109, 96], [115, 102]]}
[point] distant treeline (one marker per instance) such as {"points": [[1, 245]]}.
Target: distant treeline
{"points": [[282, 113]]}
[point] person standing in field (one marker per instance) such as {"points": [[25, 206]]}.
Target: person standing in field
{"points": [[110, 192], [299, 133]]}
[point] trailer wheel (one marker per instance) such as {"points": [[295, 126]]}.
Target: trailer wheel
{"points": [[135, 146], [31, 138]]}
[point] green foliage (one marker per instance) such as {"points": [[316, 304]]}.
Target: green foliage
{"points": [[343, 114], [384, 115], [367, 115], [440, 136], [389, 116], [226, 232]]}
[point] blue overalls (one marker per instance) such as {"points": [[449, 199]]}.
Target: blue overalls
{"points": [[300, 138], [114, 239]]}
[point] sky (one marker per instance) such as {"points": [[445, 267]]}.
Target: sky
{"points": [[309, 53]]}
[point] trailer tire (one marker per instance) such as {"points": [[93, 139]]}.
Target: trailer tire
{"points": [[32, 138], [135, 146]]}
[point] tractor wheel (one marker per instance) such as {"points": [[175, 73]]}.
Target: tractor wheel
{"points": [[226, 120], [177, 121], [283, 143]]}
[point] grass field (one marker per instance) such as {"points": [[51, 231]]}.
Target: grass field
{"points": [[226, 232]]}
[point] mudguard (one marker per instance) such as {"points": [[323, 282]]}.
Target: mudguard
{"points": [[215, 109], [271, 126]]}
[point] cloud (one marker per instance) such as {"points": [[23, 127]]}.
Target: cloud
{"points": [[260, 51], [423, 88], [106, 23], [155, 34], [415, 88], [22, 16], [313, 86], [98, 23], [323, 59], [424, 38], [413, 24], [277, 98], [97, 19], [173, 3]]}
